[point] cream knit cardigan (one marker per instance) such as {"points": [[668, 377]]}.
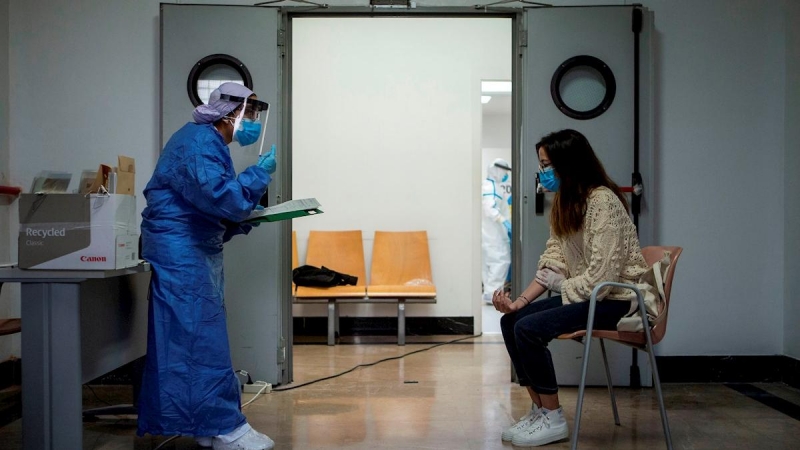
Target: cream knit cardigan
{"points": [[605, 249]]}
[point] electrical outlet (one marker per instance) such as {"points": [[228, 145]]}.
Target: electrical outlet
{"points": [[255, 387]]}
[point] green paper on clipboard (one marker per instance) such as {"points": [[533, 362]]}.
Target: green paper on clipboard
{"points": [[286, 210]]}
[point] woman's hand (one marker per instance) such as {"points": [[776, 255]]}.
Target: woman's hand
{"points": [[502, 302]]}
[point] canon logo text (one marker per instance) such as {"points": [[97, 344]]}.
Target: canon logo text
{"points": [[93, 258]]}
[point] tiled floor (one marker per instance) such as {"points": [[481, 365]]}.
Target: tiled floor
{"points": [[459, 397]]}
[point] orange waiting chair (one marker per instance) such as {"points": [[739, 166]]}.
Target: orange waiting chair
{"points": [[342, 251], [401, 272], [638, 340]]}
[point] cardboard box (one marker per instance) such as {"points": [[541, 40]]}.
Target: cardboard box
{"points": [[126, 176], [78, 232], [101, 180]]}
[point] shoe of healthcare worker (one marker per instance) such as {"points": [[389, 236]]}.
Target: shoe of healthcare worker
{"points": [[204, 442], [251, 440], [551, 427], [525, 422]]}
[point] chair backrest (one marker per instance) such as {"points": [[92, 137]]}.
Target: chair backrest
{"points": [[342, 251], [651, 255], [400, 257]]}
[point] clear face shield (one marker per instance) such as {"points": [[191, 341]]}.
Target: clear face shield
{"points": [[250, 123]]}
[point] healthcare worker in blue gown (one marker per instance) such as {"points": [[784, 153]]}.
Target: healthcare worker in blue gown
{"points": [[195, 203]]}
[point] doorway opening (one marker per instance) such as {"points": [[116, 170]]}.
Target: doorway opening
{"points": [[387, 135]]}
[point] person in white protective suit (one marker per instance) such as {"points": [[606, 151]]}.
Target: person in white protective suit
{"points": [[496, 227]]}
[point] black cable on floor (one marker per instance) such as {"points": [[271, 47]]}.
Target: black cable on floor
{"points": [[97, 396], [161, 445], [376, 362]]}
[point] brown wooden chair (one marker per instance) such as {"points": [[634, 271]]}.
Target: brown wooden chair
{"points": [[401, 271], [342, 251], [639, 340]]}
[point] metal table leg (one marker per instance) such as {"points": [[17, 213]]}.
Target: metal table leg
{"points": [[51, 354]]}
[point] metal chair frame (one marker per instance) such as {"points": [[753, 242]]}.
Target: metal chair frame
{"points": [[649, 349]]}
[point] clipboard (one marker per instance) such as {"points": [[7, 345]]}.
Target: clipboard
{"points": [[287, 210]]}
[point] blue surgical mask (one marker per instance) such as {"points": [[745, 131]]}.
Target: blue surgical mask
{"points": [[248, 132], [549, 179]]}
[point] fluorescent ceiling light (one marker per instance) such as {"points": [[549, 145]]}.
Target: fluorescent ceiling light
{"points": [[485, 99], [496, 87]]}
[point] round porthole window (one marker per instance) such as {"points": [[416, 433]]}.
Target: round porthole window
{"points": [[583, 87], [213, 70]]}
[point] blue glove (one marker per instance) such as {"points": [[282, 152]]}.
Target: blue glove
{"points": [[267, 162], [507, 224], [259, 208]]}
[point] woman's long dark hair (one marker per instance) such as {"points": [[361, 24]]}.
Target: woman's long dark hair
{"points": [[579, 172]]}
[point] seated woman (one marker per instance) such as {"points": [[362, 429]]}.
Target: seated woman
{"points": [[592, 239]]}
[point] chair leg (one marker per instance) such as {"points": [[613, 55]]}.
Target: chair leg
{"points": [[587, 342], [610, 384], [332, 322], [336, 320], [401, 322], [657, 382]]}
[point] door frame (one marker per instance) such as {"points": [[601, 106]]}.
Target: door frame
{"points": [[518, 37], [519, 17]]}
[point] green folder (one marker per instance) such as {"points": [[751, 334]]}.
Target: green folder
{"points": [[286, 210]]}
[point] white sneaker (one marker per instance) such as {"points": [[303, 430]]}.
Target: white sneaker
{"points": [[204, 442], [524, 422], [549, 428], [252, 440]]}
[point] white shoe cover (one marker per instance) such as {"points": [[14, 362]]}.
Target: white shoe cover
{"points": [[252, 440]]}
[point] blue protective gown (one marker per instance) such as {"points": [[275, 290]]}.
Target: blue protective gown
{"points": [[194, 204]]}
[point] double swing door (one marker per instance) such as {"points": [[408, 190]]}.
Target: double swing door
{"points": [[574, 68]]}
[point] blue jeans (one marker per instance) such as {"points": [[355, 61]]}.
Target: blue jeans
{"points": [[527, 332]]}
